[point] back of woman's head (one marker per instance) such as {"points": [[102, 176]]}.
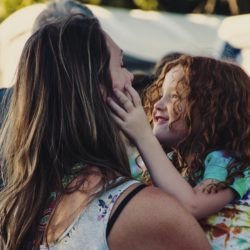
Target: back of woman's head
{"points": [[60, 9], [57, 120], [217, 109]]}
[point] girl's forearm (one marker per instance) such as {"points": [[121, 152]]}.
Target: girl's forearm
{"points": [[166, 177], [163, 172]]}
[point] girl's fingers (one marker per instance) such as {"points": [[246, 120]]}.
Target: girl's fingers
{"points": [[133, 93], [117, 120], [128, 95], [119, 111], [124, 100]]}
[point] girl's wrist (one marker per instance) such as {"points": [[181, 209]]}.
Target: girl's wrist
{"points": [[145, 139]]}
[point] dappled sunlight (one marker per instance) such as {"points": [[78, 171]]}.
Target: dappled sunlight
{"points": [[209, 20], [145, 15]]}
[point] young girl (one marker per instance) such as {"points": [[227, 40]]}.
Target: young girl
{"points": [[204, 116]]}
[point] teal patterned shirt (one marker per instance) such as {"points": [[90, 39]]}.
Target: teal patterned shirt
{"points": [[230, 227]]}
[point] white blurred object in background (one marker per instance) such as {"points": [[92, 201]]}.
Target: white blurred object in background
{"points": [[148, 35], [14, 32], [235, 30]]}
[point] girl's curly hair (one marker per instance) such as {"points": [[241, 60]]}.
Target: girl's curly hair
{"points": [[217, 113]]}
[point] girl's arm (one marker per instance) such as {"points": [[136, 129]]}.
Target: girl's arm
{"points": [[132, 119]]}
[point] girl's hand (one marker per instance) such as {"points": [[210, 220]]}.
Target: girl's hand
{"points": [[210, 186], [129, 114]]}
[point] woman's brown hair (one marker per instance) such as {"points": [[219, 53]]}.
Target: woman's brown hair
{"points": [[217, 113], [57, 119]]}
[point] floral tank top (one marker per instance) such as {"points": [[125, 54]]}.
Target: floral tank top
{"points": [[88, 230]]}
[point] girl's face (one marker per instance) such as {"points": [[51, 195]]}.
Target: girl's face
{"points": [[164, 113], [119, 74]]}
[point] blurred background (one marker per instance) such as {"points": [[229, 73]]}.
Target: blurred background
{"points": [[221, 7], [146, 30]]}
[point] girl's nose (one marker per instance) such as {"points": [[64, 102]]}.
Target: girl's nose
{"points": [[160, 104]]}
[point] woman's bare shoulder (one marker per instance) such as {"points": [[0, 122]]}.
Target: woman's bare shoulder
{"points": [[154, 220]]}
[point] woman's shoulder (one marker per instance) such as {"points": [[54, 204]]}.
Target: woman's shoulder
{"points": [[153, 218]]}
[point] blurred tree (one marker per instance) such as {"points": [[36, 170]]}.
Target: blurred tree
{"points": [[96, 2], [116, 3], [244, 6], [224, 7], [9, 6], [233, 6], [179, 6], [147, 4]]}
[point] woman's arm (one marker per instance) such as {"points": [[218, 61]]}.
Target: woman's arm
{"points": [[133, 121], [154, 220]]}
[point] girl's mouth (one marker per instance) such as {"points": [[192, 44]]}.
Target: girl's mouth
{"points": [[160, 119]]}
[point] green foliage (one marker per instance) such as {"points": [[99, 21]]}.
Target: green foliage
{"points": [[9, 6], [115, 3], [180, 6], [147, 4], [95, 2]]}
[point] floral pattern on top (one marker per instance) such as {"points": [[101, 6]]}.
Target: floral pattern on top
{"points": [[105, 206]]}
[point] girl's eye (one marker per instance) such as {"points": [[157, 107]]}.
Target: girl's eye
{"points": [[174, 96], [171, 97]]}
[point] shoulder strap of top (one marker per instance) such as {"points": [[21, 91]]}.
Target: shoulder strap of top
{"points": [[121, 206]]}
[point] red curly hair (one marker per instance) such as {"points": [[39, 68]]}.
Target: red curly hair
{"points": [[219, 92]]}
